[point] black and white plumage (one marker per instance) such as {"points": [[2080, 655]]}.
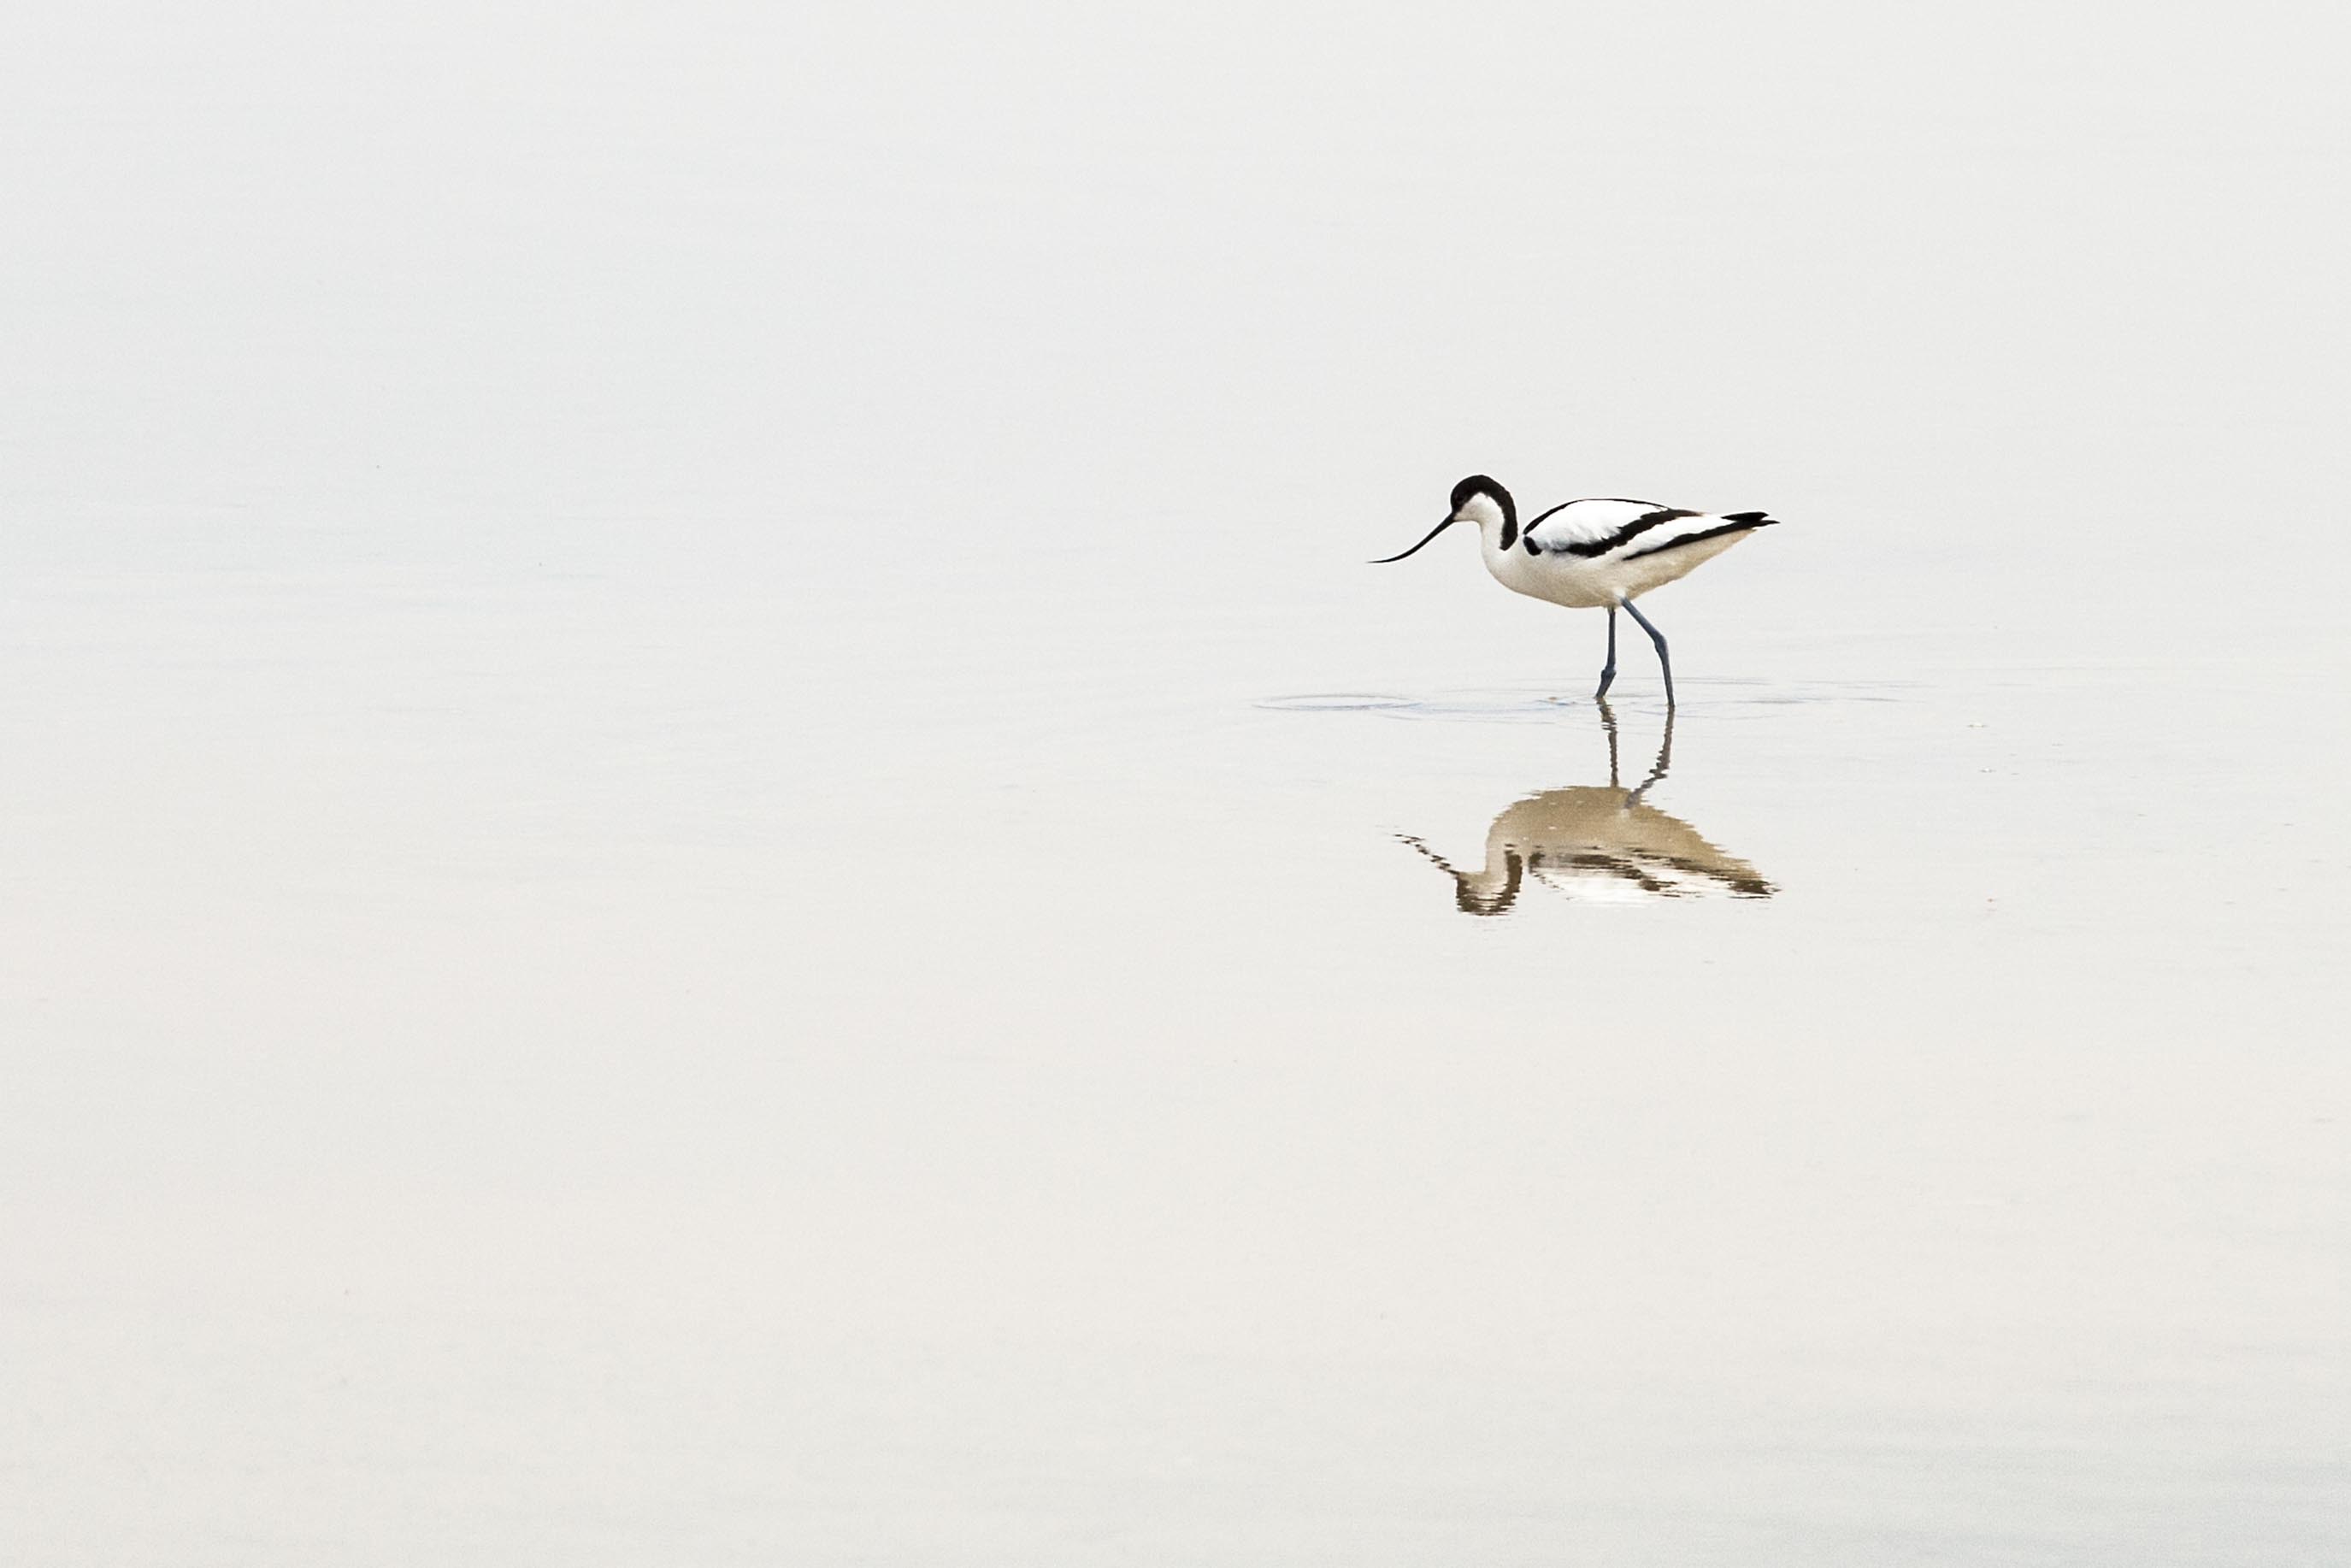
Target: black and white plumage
{"points": [[1601, 553]]}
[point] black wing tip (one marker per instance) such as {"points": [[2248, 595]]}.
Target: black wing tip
{"points": [[1735, 525], [1752, 520]]}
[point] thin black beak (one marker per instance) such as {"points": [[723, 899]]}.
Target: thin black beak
{"points": [[1432, 533]]}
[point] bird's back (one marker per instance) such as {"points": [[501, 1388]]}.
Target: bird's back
{"points": [[1584, 554]]}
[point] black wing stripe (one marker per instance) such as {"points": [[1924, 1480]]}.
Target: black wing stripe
{"points": [[1623, 536], [1620, 500], [1759, 522]]}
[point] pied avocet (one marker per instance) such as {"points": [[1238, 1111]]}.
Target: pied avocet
{"points": [[1588, 555]]}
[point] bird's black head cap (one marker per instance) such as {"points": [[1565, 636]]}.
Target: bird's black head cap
{"points": [[1480, 485], [1476, 484]]}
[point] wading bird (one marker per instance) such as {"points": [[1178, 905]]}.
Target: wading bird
{"points": [[1589, 555]]}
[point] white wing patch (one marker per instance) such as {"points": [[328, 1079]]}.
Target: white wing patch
{"points": [[1613, 548], [1586, 523], [1618, 530]]}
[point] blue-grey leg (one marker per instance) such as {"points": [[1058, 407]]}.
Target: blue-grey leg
{"points": [[1608, 670], [1664, 662]]}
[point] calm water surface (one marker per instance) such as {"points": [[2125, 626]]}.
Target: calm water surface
{"points": [[715, 851]]}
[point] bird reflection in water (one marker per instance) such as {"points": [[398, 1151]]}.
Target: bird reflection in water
{"points": [[1598, 843]]}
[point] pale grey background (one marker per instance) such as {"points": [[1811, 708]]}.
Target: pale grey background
{"points": [[665, 904]]}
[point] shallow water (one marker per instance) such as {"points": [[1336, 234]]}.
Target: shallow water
{"points": [[716, 852]]}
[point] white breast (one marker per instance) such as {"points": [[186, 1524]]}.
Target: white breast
{"points": [[1647, 559]]}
